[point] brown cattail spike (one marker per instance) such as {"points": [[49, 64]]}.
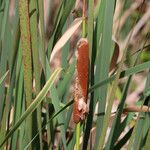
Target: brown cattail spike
{"points": [[81, 83]]}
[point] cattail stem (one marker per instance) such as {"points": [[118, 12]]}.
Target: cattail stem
{"points": [[78, 136], [83, 19], [83, 36]]}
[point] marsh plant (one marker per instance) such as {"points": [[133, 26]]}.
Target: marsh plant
{"points": [[75, 74]]}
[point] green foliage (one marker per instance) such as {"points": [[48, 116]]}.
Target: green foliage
{"points": [[36, 96]]}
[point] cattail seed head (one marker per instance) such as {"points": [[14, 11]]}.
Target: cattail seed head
{"points": [[81, 81]]}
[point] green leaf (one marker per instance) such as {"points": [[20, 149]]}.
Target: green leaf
{"points": [[123, 140], [56, 103], [129, 71], [104, 44], [3, 77], [52, 117], [33, 105], [36, 62]]}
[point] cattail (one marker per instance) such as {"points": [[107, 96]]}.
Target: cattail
{"points": [[81, 81]]}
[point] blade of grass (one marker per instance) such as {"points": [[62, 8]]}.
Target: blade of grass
{"points": [[111, 99], [18, 97], [145, 128], [139, 132], [3, 77], [66, 79], [55, 102], [128, 72], [4, 91], [33, 105], [146, 146], [2, 8], [22, 131], [8, 36], [1, 18], [35, 54], [64, 92], [6, 116], [52, 117], [10, 95], [15, 38], [5, 18], [131, 140], [120, 144], [3, 126], [42, 33], [4, 46], [49, 113], [140, 120], [114, 133], [103, 59], [15, 60], [112, 95]]}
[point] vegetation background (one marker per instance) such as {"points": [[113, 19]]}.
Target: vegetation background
{"points": [[37, 68]]}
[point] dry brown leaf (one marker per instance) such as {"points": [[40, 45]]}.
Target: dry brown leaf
{"points": [[66, 36]]}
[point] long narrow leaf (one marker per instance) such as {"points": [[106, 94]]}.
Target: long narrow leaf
{"points": [[3, 77], [33, 105]]}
